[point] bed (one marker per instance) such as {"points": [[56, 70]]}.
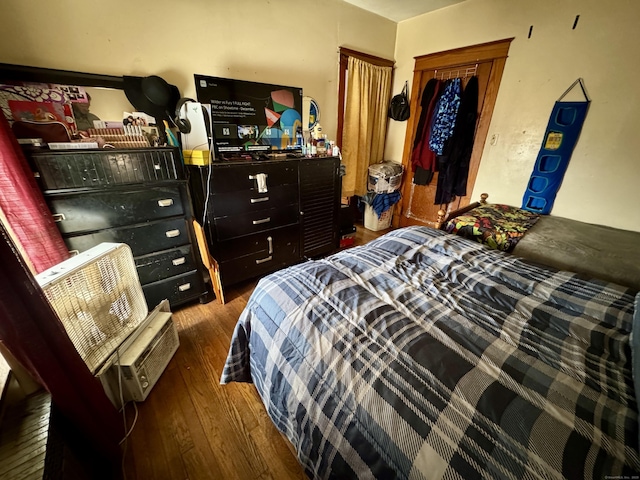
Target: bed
{"points": [[424, 355], [599, 251]]}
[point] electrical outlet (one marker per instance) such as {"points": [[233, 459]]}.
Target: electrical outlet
{"points": [[494, 139]]}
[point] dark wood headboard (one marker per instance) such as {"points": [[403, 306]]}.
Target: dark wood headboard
{"points": [[443, 216]]}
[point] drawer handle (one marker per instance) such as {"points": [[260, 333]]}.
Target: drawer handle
{"points": [[165, 202], [262, 260], [262, 220], [59, 217], [257, 200], [184, 287], [172, 233], [270, 242], [261, 180], [178, 261]]}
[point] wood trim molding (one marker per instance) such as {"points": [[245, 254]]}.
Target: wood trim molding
{"points": [[382, 62], [461, 56], [342, 89]]}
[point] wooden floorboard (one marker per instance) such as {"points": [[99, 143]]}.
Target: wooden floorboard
{"points": [[190, 426]]}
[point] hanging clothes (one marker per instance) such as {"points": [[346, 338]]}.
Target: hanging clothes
{"points": [[423, 160], [444, 115], [384, 201], [429, 96], [379, 202], [454, 163]]}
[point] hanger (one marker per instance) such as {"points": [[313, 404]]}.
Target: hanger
{"points": [[584, 91], [449, 74]]}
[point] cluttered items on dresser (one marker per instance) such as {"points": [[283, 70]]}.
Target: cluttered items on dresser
{"points": [[65, 110]]}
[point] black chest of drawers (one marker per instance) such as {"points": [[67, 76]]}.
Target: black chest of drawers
{"points": [[261, 216], [139, 197]]}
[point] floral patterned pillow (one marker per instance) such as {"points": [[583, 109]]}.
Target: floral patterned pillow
{"points": [[498, 226]]}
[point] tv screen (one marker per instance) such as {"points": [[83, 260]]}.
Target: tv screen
{"points": [[251, 116]]}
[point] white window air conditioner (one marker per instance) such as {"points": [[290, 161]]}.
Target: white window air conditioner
{"points": [[99, 300]]}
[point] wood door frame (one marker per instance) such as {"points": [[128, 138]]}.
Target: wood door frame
{"points": [[495, 52]]}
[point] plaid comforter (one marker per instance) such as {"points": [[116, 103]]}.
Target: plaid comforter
{"points": [[424, 355]]}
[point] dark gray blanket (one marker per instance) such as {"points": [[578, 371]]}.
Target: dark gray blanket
{"points": [[594, 250]]}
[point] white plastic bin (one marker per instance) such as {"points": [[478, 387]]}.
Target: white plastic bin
{"points": [[372, 222]]}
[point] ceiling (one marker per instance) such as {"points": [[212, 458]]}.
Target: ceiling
{"points": [[399, 10]]}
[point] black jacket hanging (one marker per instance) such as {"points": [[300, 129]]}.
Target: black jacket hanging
{"points": [[454, 163], [423, 160], [428, 94]]}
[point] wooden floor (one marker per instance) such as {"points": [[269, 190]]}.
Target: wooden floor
{"points": [[190, 426]]}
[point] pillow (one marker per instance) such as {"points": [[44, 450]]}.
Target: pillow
{"points": [[497, 226]]}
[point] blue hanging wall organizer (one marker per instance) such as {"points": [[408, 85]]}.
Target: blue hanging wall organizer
{"points": [[559, 141]]}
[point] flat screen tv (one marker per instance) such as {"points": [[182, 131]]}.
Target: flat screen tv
{"points": [[251, 116]]}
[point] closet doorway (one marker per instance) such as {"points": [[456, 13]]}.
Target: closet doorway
{"points": [[486, 61]]}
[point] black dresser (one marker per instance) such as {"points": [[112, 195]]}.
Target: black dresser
{"points": [[261, 216], [136, 196]]}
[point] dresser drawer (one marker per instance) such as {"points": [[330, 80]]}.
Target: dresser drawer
{"points": [[258, 244], [254, 257], [255, 221], [243, 201], [143, 239], [95, 211], [157, 266], [106, 167], [177, 290], [231, 178]]}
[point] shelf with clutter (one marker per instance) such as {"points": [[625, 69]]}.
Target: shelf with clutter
{"points": [[65, 110]]}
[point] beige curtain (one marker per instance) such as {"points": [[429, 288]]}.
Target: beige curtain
{"points": [[365, 122]]}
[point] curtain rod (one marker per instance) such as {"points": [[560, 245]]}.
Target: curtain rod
{"points": [[383, 62]]}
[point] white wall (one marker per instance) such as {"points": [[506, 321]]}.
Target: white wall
{"points": [[604, 171], [285, 42]]}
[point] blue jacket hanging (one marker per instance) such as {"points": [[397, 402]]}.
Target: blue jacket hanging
{"points": [[445, 115]]}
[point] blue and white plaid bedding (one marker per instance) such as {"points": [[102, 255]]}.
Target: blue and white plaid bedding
{"points": [[424, 355]]}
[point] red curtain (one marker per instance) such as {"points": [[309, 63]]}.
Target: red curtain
{"points": [[24, 211]]}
